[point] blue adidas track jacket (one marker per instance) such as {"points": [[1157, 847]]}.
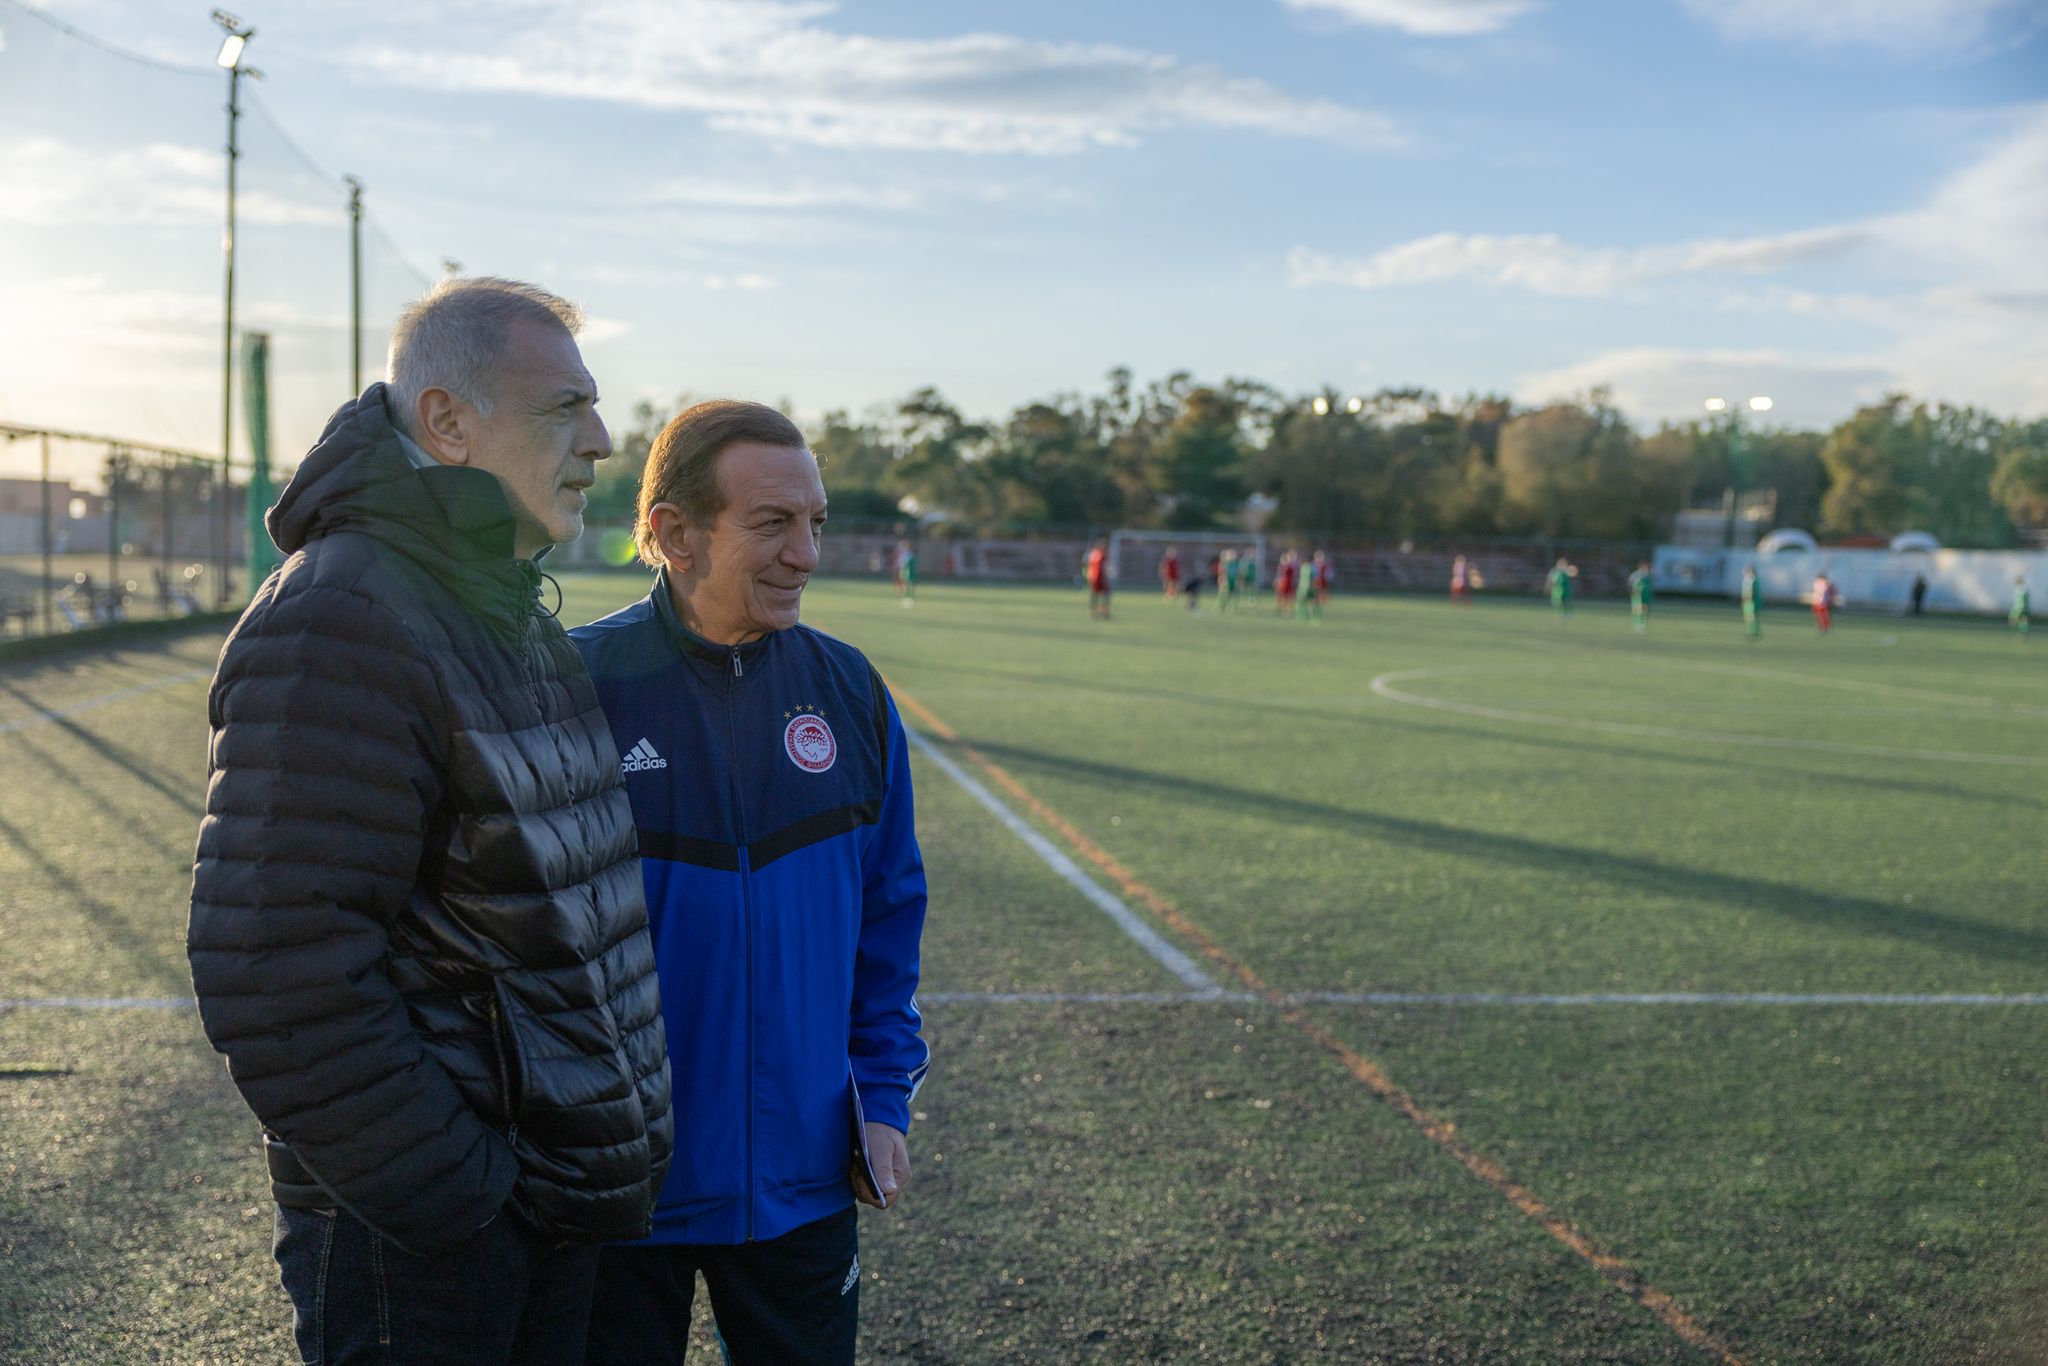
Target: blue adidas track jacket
{"points": [[771, 786]]}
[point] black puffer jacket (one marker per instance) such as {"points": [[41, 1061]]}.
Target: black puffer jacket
{"points": [[418, 931]]}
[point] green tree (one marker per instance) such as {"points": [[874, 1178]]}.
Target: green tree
{"points": [[1053, 468], [1201, 458], [1896, 466], [858, 463], [2020, 482], [942, 466]]}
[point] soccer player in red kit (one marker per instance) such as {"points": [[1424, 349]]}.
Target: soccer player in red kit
{"points": [[1823, 603], [1098, 581], [1283, 582], [1169, 572]]}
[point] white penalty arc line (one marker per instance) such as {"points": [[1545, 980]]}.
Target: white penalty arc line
{"points": [[1166, 955], [44, 716], [1218, 996], [1383, 686]]}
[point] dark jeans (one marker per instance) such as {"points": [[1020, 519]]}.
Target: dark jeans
{"points": [[506, 1296], [789, 1301]]}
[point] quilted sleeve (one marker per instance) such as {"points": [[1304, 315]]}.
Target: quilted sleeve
{"points": [[325, 767]]}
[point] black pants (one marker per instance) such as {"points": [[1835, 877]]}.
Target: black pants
{"points": [[789, 1301], [505, 1297]]}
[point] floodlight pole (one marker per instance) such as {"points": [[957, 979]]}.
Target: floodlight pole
{"points": [[1757, 404], [231, 58], [49, 541], [355, 282]]}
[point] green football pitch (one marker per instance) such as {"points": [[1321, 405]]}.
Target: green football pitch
{"points": [[1420, 984]]}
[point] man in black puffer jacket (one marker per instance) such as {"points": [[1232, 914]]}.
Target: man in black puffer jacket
{"points": [[418, 931]]}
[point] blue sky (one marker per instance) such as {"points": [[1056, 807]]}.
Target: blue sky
{"points": [[832, 203]]}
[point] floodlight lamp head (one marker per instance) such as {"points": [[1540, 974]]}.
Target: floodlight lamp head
{"points": [[1760, 404], [1354, 404], [1321, 405], [1717, 405], [228, 22], [230, 51]]}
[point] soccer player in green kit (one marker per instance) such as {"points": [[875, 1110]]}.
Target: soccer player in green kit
{"points": [[1641, 593], [1226, 579], [2017, 617], [1752, 596], [906, 573], [1562, 575]]}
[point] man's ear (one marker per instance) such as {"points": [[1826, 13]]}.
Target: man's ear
{"points": [[672, 535], [442, 420]]}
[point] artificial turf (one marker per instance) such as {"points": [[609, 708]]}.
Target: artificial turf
{"points": [[1522, 805]]}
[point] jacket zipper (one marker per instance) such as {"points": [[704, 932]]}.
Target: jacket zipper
{"points": [[498, 1047], [746, 910]]}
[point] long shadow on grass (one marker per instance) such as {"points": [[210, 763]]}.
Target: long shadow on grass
{"points": [[1856, 915], [148, 1174], [132, 827], [119, 757], [143, 953], [1379, 718]]}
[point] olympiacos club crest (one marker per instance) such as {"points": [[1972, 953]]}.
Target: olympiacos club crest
{"points": [[809, 743]]}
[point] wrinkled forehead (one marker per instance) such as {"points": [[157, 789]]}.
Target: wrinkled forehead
{"points": [[756, 476], [538, 360]]}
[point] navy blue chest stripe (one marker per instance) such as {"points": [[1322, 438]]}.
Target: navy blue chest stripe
{"points": [[666, 844], [810, 830]]}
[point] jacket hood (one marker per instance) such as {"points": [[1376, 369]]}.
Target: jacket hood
{"points": [[454, 520]]}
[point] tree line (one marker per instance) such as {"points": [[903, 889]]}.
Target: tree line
{"points": [[1181, 454]]}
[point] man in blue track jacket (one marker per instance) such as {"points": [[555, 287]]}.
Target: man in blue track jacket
{"points": [[770, 783]]}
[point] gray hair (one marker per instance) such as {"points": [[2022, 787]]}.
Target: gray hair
{"points": [[453, 336]]}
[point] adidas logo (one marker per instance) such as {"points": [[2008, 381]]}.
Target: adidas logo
{"points": [[641, 758]]}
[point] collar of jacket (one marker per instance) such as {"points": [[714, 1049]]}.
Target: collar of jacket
{"points": [[454, 521], [690, 645]]}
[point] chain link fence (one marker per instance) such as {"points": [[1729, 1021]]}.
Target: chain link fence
{"points": [[151, 534]]}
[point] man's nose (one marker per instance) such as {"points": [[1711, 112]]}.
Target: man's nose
{"points": [[596, 442], [800, 550]]}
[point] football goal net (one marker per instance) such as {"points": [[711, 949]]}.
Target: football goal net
{"points": [[1135, 556]]}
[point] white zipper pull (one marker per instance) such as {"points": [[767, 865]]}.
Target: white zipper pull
{"points": [[737, 671]]}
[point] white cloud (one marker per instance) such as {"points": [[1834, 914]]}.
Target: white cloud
{"points": [[1906, 27], [1989, 221], [770, 71], [53, 183], [1550, 265], [1965, 319], [796, 196], [596, 331], [1655, 384], [1426, 18]]}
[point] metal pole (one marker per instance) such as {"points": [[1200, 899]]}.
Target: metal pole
{"points": [[355, 282], [227, 353], [1734, 473], [114, 580], [49, 536], [169, 472]]}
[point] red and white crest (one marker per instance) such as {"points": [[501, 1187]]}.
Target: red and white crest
{"points": [[809, 742]]}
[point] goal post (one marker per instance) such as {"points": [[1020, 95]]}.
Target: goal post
{"points": [[1134, 555]]}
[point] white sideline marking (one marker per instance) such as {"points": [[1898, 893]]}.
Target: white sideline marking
{"points": [[1673, 998], [43, 716], [1148, 939], [1217, 996], [1491, 998], [102, 1003], [1384, 687]]}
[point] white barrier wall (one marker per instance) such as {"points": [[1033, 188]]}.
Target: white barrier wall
{"points": [[1882, 580]]}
